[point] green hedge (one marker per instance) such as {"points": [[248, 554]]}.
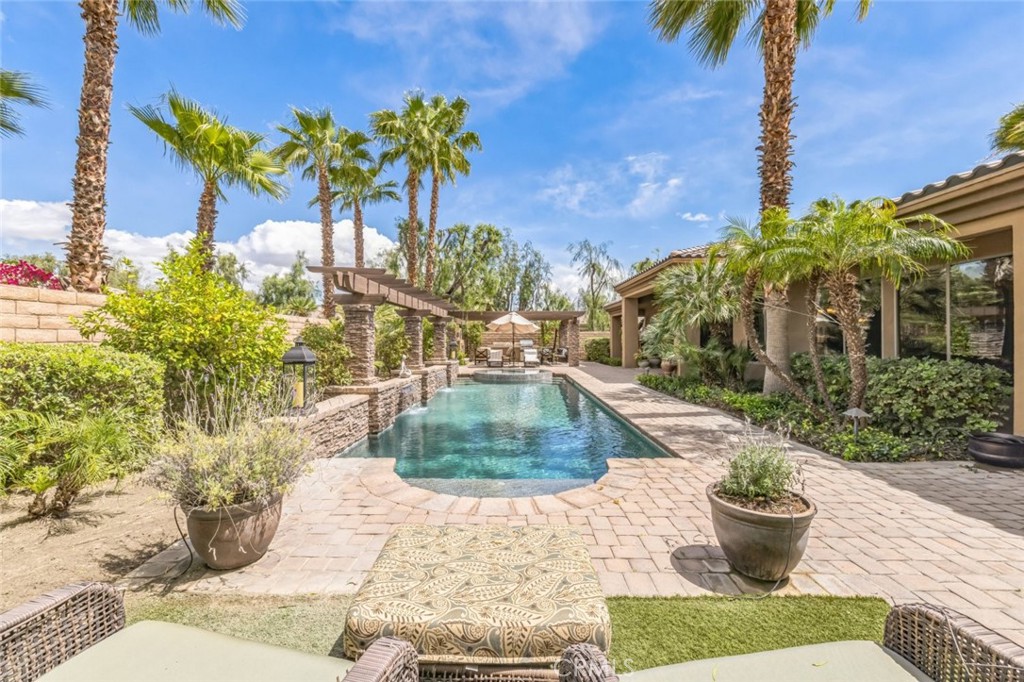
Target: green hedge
{"points": [[70, 381], [327, 341], [595, 349]]}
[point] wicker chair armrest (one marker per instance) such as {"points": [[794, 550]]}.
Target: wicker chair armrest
{"points": [[41, 634], [948, 646], [585, 663], [386, 660]]}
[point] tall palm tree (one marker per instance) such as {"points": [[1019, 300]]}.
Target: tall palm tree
{"points": [[1009, 136], [407, 135], [840, 240], [315, 143], [85, 250], [16, 88], [357, 185], [219, 154], [447, 160], [778, 27], [598, 269]]}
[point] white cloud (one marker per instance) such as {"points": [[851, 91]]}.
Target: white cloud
{"points": [[27, 226], [565, 278], [638, 186], [694, 217], [497, 52]]}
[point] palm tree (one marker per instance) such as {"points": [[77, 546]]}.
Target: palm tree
{"points": [[407, 135], [1009, 136], [447, 159], [315, 143], [838, 241], [16, 88], [703, 293], [598, 269], [778, 28], [85, 250], [357, 185], [219, 154]]}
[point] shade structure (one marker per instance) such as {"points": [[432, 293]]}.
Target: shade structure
{"points": [[515, 323]]}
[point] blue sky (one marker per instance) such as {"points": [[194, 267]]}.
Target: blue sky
{"points": [[591, 128]]}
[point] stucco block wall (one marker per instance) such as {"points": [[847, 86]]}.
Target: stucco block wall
{"points": [[31, 315]]}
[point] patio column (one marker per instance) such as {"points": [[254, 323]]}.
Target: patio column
{"points": [[414, 330], [440, 353], [630, 331], [890, 320], [573, 341], [1018, 333], [361, 340], [617, 336]]}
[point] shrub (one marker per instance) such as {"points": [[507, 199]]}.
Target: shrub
{"points": [[870, 445], [327, 341], [25, 274], [762, 409], [611, 362], [54, 457], [759, 471], [231, 446], [391, 341], [193, 321], [594, 349], [74, 380]]}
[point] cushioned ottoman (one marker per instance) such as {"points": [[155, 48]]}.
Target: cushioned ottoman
{"points": [[481, 595]]}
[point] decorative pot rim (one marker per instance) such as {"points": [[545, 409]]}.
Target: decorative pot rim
{"points": [[812, 509], [250, 507]]}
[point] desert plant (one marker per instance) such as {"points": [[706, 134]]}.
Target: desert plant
{"points": [[230, 445], [55, 458], [759, 471], [332, 354]]}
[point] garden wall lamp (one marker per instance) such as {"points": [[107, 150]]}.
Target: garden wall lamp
{"points": [[300, 371]]}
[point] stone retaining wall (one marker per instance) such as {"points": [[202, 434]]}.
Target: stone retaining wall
{"points": [[337, 423], [386, 399], [433, 379], [32, 315]]}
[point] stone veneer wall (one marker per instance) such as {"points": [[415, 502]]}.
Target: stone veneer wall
{"points": [[31, 315], [433, 379], [337, 423], [385, 399]]}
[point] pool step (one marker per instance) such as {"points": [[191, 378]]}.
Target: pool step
{"points": [[504, 487]]}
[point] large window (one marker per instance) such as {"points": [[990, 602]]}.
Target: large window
{"points": [[963, 311]]}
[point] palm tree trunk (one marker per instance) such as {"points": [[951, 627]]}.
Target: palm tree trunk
{"points": [[776, 337], [326, 238], [435, 192], [750, 283], [412, 237], [357, 231], [813, 288], [85, 250], [775, 150], [206, 221], [845, 292]]}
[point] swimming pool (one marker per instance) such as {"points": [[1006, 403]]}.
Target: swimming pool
{"points": [[497, 440]]}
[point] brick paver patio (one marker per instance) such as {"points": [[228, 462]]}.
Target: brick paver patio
{"points": [[948, 533]]}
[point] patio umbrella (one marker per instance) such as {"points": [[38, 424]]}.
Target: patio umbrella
{"points": [[513, 322]]}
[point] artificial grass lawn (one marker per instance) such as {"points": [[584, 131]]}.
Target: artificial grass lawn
{"points": [[645, 632]]}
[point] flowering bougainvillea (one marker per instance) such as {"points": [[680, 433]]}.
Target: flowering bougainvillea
{"points": [[25, 274]]}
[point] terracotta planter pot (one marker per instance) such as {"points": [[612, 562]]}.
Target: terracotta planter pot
{"points": [[234, 536], [757, 544], [668, 367]]}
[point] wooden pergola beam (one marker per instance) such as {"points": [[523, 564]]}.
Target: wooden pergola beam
{"points": [[366, 283]]}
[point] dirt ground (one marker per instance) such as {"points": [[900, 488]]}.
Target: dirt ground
{"points": [[110, 531]]}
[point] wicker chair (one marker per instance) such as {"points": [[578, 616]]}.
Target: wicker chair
{"points": [[39, 635], [944, 645]]}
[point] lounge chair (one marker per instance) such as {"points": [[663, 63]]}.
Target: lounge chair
{"points": [[530, 357], [78, 633], [921, 643], [495, 358]]}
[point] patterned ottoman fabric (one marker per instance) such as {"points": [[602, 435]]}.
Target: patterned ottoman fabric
{"points": [[481, 595]]}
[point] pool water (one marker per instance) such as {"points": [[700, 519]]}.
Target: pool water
{"points": [[506, 440]]}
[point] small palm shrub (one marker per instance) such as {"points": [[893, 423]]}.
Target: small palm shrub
{"points": [[232, 444], [759, 471], [391, 340], [54, 458]]}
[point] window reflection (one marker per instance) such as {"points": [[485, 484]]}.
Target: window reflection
{"points": [[922, 316]]}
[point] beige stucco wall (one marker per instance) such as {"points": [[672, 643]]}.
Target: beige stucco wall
{"points": [[31, 315]]}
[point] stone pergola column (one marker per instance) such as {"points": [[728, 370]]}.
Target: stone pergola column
{"points": [[572, 340], [440, 353], [360, 337], [414, 331]]}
